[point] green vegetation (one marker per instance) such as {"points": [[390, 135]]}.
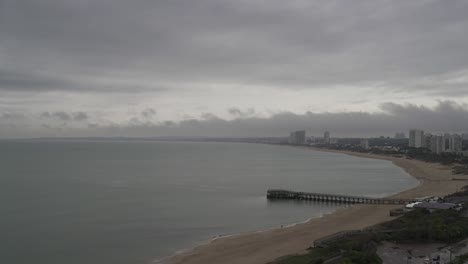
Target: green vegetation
{"points": [[460, 259], [315, 256], [421, 226], [427, 155], [446, 226]]}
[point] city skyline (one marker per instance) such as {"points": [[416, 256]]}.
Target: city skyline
{"points": [[436, 143]]}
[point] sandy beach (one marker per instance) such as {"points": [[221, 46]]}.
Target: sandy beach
{"points": [[263, 247]]}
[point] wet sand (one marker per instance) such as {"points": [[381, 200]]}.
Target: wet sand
{"points": [[263, 247]]}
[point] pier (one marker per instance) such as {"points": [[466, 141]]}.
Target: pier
{"points": [[276, 194]]}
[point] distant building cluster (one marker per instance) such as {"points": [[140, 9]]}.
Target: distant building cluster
{"points": [[435, 143], [297, 137]]}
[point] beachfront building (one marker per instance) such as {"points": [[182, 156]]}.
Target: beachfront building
{"points": [[455, 143], [416, 138], [431, 207], [451, 143], [465, 136], [437, 144], [427, 141], [326, 137], [447, 142], [297, 137], [365, 143]]}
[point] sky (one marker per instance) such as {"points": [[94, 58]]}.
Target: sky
{"points": [[141, 68]]}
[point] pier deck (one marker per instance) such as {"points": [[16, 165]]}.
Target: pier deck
{"points": [[337, 198]]}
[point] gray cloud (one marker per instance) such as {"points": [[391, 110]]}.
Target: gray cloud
{"points": [[60, 115], [447, 116], [209, 116], [64, 116], [195, 58], [16, 81], [12, 115], [305, 44], [239, 113], [80, 116], [148, 113]]}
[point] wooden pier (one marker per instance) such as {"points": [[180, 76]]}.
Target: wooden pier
{"points": [[275, 194]]}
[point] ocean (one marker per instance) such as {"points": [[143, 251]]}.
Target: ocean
{"points": [[134, 202]]}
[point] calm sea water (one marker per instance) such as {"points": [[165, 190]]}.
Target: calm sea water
{"points": [[129, 202]]}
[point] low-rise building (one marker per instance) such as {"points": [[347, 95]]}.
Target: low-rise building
{"points": [[436, 206]]}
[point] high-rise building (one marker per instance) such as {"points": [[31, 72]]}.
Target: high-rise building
{"points": [[434, 144], [416, 138], [365, 143], [447, 142], [292, 138], [326, 137], [456, 142], [301, 137], [427, 141], [297, 137], [437, 144], [465, 136]]}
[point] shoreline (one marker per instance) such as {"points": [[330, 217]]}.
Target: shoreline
{"points": [[267, 245], [187, 251]]}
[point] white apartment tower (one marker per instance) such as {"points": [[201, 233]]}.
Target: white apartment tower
{"points": [[455, 143], [365, 143], [416, 138]]}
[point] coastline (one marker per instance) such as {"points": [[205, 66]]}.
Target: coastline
{"points": [[267, 245]]}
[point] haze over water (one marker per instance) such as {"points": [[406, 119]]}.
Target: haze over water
{"points": [[131, 202]]}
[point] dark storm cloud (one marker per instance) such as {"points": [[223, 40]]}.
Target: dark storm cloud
{"points": [[447, 116], [281, 43]]}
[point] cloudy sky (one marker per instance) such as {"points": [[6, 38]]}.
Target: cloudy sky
{"points": [[231, 68]]}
